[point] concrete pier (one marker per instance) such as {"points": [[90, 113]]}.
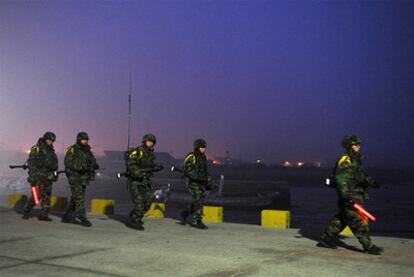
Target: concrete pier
{"points": [[165, 248]]}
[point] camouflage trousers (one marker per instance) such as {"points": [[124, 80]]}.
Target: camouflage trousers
{"points": [[141, 194], [45, 193], [76, 206], [349, 217], [197, 192]]}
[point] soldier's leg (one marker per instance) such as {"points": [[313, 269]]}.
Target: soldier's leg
{"points": [[334, 228], [45, 195], [138, 198], [68, 216], [28, 207], [359, 228], [29, 204], [80, 203], [198, 196], [148, 195]]}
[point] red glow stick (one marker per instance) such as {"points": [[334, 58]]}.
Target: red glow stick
{"points": [[35, 192], [362, 210]]}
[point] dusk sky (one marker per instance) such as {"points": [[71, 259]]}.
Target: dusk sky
{"points": [[275, 80]]}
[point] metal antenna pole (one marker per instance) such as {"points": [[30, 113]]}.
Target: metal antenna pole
{"points": [[129, 111]]}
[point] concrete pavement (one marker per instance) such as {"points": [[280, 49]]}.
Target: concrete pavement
{"points": [[165, 248]]}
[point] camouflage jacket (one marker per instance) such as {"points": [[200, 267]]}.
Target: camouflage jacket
{"points": [[42, 162], [80, 162], [141, 163], [351, 179], [195, 167]]}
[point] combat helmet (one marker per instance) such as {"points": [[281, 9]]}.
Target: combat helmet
{"points": [[49, 135], [149, 137], [82, 135], [350, 140], [200, 143]]}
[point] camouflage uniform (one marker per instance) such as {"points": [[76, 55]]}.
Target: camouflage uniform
{"points": [[80, 166], [140, 167], [351, 182], [198, 180], [42, 164]]}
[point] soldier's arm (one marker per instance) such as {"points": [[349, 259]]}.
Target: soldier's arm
{"points": [[52, 162], [71, 162], [35, 159], [93, 165], [342, 178], [134, 164], [189, 167]]}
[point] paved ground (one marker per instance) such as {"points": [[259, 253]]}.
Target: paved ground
{"points": [[32, 248]]}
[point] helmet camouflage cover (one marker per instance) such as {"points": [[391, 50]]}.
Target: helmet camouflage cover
{"points": [[81, 136], [349, 141], [49, 135], [149, 137], [200, 143]]}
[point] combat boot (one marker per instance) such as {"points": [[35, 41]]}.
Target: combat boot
{"points": [[44, 218], [85, 222], [199, 225], [26, 216], [183, 217], [373, 250], [137, 225], [327, 243], [67, 219]]}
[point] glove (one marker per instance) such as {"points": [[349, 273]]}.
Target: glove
{"points": [[53, 176], [350, 202], [91, 175]]}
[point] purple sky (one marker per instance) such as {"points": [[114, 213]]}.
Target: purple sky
{"points": [[264, 79]]}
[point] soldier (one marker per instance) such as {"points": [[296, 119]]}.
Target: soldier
{"points": [[80, 166], [351, 182], [141, 165], [198, 181], [42, 164]]}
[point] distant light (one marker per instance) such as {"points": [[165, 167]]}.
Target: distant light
{"points": [[287, 164], [216, 162], [258, 161], [300, 164], [317, 164], [27, 151]]}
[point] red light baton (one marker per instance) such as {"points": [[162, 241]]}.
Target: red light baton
{"points": [[363, 211], [35, 193]]}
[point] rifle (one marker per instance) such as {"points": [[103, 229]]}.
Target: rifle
{"points": [[127, 174], [176, 169], [209, 186], [23, 166]]}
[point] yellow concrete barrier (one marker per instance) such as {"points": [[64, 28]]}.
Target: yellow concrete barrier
{"points": [[102, 206], [156, 210], [275, 219], [16, 199], [212, 214], [58, 203]]}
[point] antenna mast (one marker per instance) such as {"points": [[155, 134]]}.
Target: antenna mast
{"points": [[129, 111]]}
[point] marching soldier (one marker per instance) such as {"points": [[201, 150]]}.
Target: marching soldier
{"points": [[80, 166], [351, 182], [198, 181], [140, 168], [42, 164]]}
